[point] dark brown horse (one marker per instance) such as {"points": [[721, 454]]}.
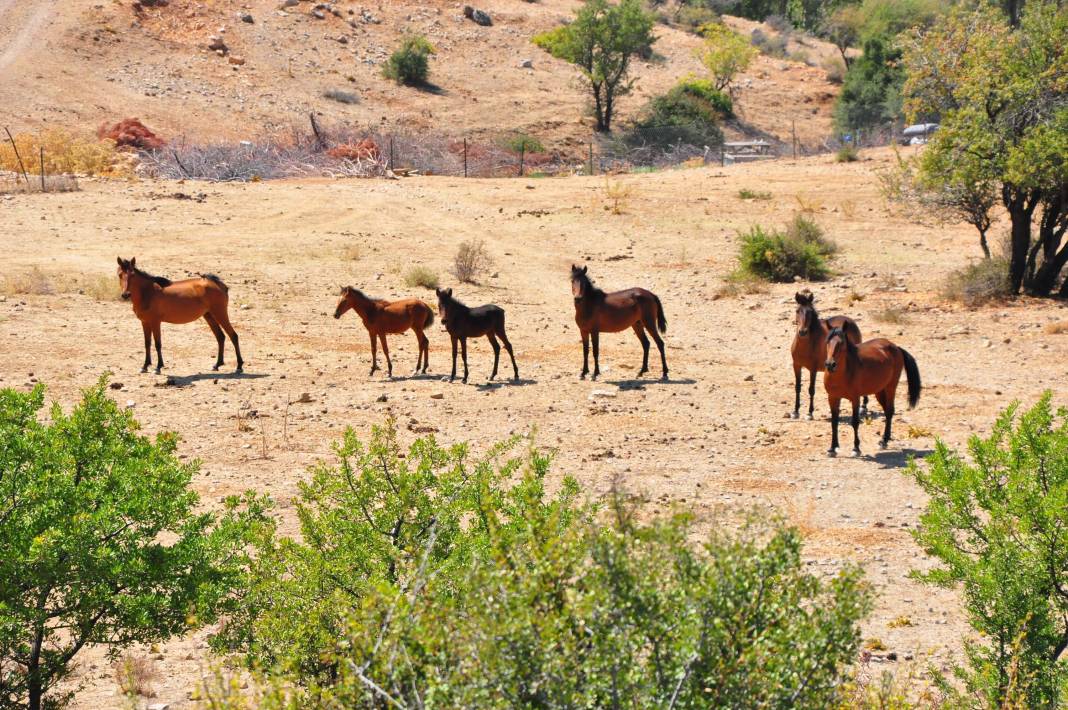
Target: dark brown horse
{"points": [[597, 312], [809, 349], [463, 323], [380, 317], [159, 300], [873, 367]]}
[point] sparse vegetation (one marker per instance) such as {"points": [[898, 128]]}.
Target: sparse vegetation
{"points": [[979, 283], [472, 260], [617, 195], [739, 283], [725, 54], [853, 297], [1057, 328], [847, 154], [52, 183], [523, 143], [835, 68], [135, 676], [64, 153], [37, 282], [769, 45], [422, 276], [410, 63], [747, 194], [341, 96], [775, 256], [892, 315]]}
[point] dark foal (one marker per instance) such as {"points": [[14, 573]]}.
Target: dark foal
{"points": [[597, 312], [809, 349], [463, 323]]}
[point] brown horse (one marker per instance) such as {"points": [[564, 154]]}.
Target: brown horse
{"points": [[873, 367], [159, 300], [381, 317], [809, 349], [463, 323], [597, 312]]}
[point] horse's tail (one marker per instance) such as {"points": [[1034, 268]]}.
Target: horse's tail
{"points": [[661, 319], [217, 281], [912, 371], [429, 321]]}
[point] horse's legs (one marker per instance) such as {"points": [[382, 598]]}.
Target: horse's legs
{"points": [[374, 353], [385, 351], [640, 332], [453, 375], [887, 403], [219, 337], [425, 342], [864, 407], [595, 336], [508, 347], [797, 391], [585, 354], [496, 353], [836, 405], [422, 341], [856, 425], [159, 347], [224, 320], [463, 351], [811, 392], [148, 345]]}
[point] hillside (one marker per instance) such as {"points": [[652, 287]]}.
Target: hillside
{"points": [[79, 63]]}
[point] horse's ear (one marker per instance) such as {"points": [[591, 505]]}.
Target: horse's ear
{"points": [[804, 298], [133, 261], [585, 269], [448, 292], [119, 259]]}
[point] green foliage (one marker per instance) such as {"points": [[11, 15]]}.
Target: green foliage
{"points": [[690, 114], [521, 142], [422, 276], [602, 41], [725, 54], [748, 194], [410, 63], [101, 540], [998, 524], [800, 251], [437, 581], [846, 154], [871, 91], [979, 283]]}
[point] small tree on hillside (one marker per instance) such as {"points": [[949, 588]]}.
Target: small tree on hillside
{"points": [[99, 541], [602, 41], [725, 54], [998, 524]]}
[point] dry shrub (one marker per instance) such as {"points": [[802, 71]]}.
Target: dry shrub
{"points": [[37, 282], [135, 676], [979, 283], [365, 149], [65, 152], [747, 194], [739, 283], [1057, 328], [853, 297], [130, 133], [471, 261], [421, 276], [808, 204], [891, 315], [808, 231], [30, 283], [52, 183], [617, 196], [835, 68]]}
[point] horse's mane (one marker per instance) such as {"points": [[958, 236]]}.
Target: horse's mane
{"points": [[851, 347], [218, 282], [449, 298], [589, 281], [161, 280]]}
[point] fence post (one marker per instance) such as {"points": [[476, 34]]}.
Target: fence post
{"points": [[591, 158], [522, 154], [14, 147], [465, 157], [392, 161], [42, 170], [793, 136]]}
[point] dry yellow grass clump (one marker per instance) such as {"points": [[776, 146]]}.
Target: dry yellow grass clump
{"points": [[64, 152]]}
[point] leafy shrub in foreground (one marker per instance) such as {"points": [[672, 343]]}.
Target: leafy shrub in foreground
{"points": [[777, 256], [445, 582], [410, 63]]}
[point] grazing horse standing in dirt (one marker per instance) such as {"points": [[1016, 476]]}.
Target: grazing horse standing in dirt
{"points": [[380, 317], [463, 323], [159, 300], [597, 312], [873, 367], [809, 349]]}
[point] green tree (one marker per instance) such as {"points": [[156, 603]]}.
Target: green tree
{"points": [[1000, 93], [410, 63], [725, 54], [998, 524], [871, 92], [602, 41], [99, 541]]}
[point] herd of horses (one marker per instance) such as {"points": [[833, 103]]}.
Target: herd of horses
{"points": [[853, 369]]}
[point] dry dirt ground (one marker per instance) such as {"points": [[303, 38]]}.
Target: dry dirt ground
{"points": [[714, 435], [77, 64]]}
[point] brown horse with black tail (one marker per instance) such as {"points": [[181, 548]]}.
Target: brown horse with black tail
{"points": [[873, 367], [463, 322], [159, 300], [597, 312], [809, 349], [380, 317]]}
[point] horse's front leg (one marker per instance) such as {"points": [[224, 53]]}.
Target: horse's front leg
{"points": [[856, 426], [836, 405], [148, 345], [797, 392], [453, 375], [463, 351], [374, 353], [159, 347], [585, 355], [596, 337], [811, 392]]}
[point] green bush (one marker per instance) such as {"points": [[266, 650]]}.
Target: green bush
{"points": [[447, 582], [984, 281], [997, 522], [690, 113], [846, 154], [422, 276], [102, 542], [521, 142], [807, 231], [777, 256], [410, 63], [748, 194]]}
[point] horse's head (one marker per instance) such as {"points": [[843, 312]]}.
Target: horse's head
{"points": [[806, 312], [836, 348], [444, 299], [125, 270], [345, 303], [579, 281]]}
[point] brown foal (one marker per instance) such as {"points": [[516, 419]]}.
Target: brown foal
{"points": [[809, 349], [380, 317]]}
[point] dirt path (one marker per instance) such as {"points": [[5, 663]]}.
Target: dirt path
{"points": [[20, 25], [713, 438]]}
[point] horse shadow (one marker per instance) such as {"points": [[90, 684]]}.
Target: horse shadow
{"points": [[187, 380], [898, 458], [521, 382], [636, 384]]}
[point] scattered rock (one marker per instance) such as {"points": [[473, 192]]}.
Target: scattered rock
{"points": [[304, 398], [479, 17], [438, 395], [602, 394], [130, 404], [526, 64], [116, 385], [216, 44], [159, 706], [236, 60], [288, 3], [245, 17]]}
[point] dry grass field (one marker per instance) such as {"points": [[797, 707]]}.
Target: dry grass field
{"points": [[713, 438]]}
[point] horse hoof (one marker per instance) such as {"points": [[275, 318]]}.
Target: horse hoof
{"points": [[856, 453], [664, 377], [809, 416], [882, 444], [831, 453], [144, 369], [794, 415]]}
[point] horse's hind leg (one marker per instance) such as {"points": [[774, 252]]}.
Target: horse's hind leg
{"points": [[595, 337], [856, 426], [886, 401], [224, 320], [640, 332], [496, 354], [424, 351], [585, 354], [219, 338], [148, 345], [811, 392], [508, 347], [159, 347], [385, 351], [463, 352], [374, 353], [650, 325]]}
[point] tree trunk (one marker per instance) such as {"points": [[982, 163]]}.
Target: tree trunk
{"points": [[983, 243], [1051, 230], [1020, 208], [598, 110]]}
